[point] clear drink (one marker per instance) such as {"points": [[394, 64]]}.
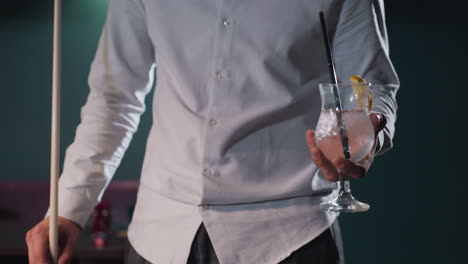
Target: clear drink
{"points": [[358, 129], [344, 125]]}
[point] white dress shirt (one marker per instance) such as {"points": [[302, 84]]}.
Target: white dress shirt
{"points": [[236, 91]]}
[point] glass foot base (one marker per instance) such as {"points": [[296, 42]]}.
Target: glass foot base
{"points": [[344, 203]]}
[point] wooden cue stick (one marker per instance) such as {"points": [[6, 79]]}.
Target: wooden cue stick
{"points": [[55, 132]]}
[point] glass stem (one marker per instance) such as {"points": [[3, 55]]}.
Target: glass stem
{"points": [[345, 187]]}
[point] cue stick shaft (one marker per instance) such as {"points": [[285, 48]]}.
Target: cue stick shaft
{"points": [[55, 132]]}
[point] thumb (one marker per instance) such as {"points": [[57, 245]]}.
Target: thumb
{"points": [[66, 255], [378, 122]]}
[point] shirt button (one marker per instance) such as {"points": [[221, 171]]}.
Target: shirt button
{"points": [[207, 172], [226, 22], [219, 75], [213, 122]]}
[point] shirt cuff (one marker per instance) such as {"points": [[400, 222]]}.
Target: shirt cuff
{"points": [[74, 206]]}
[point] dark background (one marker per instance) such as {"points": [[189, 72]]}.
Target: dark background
{"points": [[417, 190]]}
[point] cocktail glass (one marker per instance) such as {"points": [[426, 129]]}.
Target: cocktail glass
{"points": [[346, 128]]}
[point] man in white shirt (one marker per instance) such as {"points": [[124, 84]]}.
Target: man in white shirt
{"points": [[227, 176]]}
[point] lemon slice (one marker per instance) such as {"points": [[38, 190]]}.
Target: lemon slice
{"points": [[359, 90]]}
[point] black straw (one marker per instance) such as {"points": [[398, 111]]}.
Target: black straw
{"points": [[331, 68], [326, 40]]}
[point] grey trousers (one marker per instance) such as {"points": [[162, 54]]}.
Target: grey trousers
{"points": [[327, 248]]}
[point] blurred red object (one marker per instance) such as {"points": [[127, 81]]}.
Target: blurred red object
{"points": [[101, 223]]}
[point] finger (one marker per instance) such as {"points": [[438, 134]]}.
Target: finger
{"points": [[68, 237], [349, 169], [65, 256], [328, 169], [366, 162], [378, 121], [29, 245], [40, 247], [310, 138]]}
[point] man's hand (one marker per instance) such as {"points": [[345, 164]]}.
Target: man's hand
{"points": [[37, 240], [347, 168]]}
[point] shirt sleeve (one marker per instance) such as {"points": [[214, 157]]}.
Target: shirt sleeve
{"points": [[360, 47], [120, 77]]}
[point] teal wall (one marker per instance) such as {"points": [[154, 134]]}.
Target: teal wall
{"points": [[25, 80], [416, 190]]}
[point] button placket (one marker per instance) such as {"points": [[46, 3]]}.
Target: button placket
{"points": [[221, 76]]}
